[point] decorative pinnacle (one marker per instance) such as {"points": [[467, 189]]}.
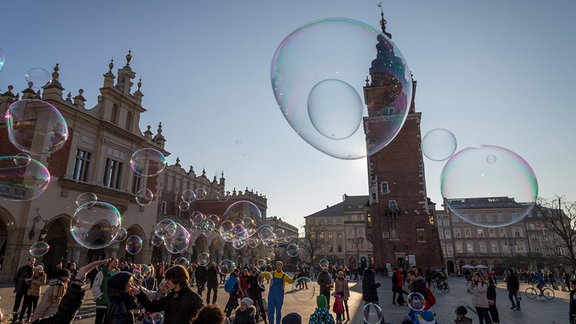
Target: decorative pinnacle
{"points": [[383, 21], [139, 83], [129, 57], [111, 65]]}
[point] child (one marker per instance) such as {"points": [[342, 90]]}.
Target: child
{"points": [[245, 313], [461, 317], [321, 314], [338, 308]]}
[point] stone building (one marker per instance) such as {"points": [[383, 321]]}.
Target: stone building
{"points": [[96, 158]]}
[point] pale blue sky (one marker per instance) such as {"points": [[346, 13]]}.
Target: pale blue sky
{"points": [[493, 72]]}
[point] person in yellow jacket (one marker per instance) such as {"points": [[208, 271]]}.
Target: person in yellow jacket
{"points": [[276, 293]]}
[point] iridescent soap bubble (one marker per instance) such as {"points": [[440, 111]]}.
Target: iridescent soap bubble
{"points": [[292, 250], [179, 242], [324, 263], [439, 144], [469, 183], [203, 259], [226, 231], [148, 162], [335, 109], [153, 318], [253, 242], [238, 232], [227, 266], [261, 264], [39, 249], [416, 301], [182, 261], [200, 193], [86, 198], [22, 159], [2, 59], [144, 197], [239, 243], [156, 240], [264, 279], [207, 227], [145, 271], [21, 182], [133, 244], [183, 206], [329, 58], [165, 228], [95, 226], [196, 219], [188, 196], [36, 127], [372, 314], [122, 234], [241, 210], [222, 195], [38, 76], [303, 289]]}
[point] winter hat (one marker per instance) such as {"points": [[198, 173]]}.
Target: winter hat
{"points": [[39, 267], [321, 301], [292, 318], [119, 280], [247, 301], [60, 273], [426, 317]]}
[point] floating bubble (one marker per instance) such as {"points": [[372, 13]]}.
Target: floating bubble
{"points": [[416, 301], [469, 183], [153, 318], [203, 259], [271, 256], [223, 196], [264, 279], [200, 193], [144, 197], [335, 109], [239, 233], [86, 198], [332, 54], [156, 240], [242, 210], [253, 242], [188, 196], [95, 226], [2, 59], [36, 127], [324, 263], [207, 226], [491, 158], [133, 244], [215, 219], [183, 206], [292, 250], [439, 144], [303, 289], [22, 159], [122, 234], [238, 244], [38, 76], [20, 181], [226, 231], [182, 261], [145, 271], [179, 242], [147, 162], [227, 266], [165, 228], [196, 219], [39, 249], [372, 314]]}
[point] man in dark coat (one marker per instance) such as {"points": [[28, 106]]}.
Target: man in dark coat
{"points": [[325, 282], [212, 282], [370, 286], [201, 278], [21, 284]]}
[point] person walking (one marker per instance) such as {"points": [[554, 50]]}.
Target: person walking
{"points": [[479, 287], [100, 287], [397, 287], [491, 295], [342, 288], [370, 286], [325, 282], [232, 287], [33, 294], [200, 274], [276, 293], [513, 286], [212, 283], [21, 285]]}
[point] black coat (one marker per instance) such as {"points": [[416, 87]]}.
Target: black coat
{"points": [[179, 307], [369, 286], [68, 307], [19, 279], [212, 277], [121, 307], [245, 317]]}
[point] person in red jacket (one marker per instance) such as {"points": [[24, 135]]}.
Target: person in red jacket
{"points": [[397, 281]]}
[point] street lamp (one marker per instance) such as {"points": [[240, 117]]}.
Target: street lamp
{"points": [[44, 230]]}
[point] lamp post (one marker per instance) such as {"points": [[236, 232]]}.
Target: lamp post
{"points": [[43, 231]]}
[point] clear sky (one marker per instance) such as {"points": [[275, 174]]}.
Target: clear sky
{"points": [[493, 72]]}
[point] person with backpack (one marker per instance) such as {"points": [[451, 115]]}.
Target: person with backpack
{"points": [[232, 286]]}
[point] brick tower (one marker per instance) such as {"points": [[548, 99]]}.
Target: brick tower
{"points": [[401, 224]]}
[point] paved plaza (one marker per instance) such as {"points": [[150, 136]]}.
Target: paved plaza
{"points": [[536, 311]]}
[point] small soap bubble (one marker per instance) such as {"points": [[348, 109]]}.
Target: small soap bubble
{"points": [[144, 197], [156, 240], [20, 181], [122, 234], [86, 198], [491, 159], [179, 242], [165, 228], [147, 162], [372, 314], [182, 261], [227, 266], [183, 206], [133, 244], [188, 196], [439, 144], [39, 249], [95, 226], [145, 271], [264, 279], [292, 250], [38, 76], [416, 301], [36, 127], [200, 193], [203, 259], [261, 264], [324, 263], [223, 196], [22, 159]]}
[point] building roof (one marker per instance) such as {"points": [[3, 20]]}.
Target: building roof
{"points": [[488, 202], [349, 204]]}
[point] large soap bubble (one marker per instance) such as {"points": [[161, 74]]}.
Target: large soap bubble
{"points": [[488, 177], [303, 289], [148, 162], [318, 74], [20, 181], [95, 226], [36, 127], [2, 59], [38, 76], [39, 249], [241, 210], [372, 314], [439, 144]]}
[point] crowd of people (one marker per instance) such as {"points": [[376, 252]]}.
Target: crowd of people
{"points": [[131, 293]]}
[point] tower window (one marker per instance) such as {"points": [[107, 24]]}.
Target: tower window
{"points": [[420, 235], [392, 205], [384, 187], [81, 165], [113, 173]]}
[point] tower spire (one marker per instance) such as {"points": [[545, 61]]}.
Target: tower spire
{"points": [[383, 22]]}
